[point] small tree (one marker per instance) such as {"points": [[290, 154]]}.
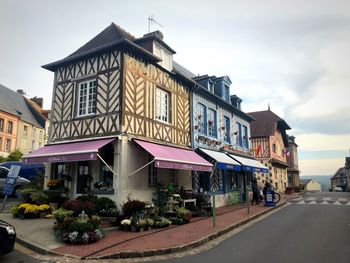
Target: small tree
{"points": [[15, 155], [2, 159]]}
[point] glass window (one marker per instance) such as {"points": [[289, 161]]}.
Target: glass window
{"points": [[245, 137], [173, 176], [202, 118], [162, 105], [152, 175], [239, 137], [87, 98], [8, 145], [204, 181], [226, 128], [226, 93], [9, 127], [1, 125], [3, 173], [25, 130], [274, 148], [84, 178], [212, 123]]}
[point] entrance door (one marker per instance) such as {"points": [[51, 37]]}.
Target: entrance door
{"points": [[83, 178]]}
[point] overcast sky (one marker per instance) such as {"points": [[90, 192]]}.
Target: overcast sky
{"points": [[293, 55]]}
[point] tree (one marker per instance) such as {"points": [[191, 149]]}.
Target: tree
{"points": [[2, 159], [15, 155]]}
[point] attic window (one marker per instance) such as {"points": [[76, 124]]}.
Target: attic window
{"points": [[164, 55]]}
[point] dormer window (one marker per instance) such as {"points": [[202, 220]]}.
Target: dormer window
{"points": [[164, 55], [226, 93], [211, 86]]}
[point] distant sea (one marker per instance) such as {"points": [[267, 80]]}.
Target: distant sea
{"points": [[324, 180]]}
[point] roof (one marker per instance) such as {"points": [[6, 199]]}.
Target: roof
{"points": [[15, 104], [177, 68], [110, 37], [266, 123], [305, 181]]}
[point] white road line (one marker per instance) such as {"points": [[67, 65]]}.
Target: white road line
{"points": [[337, 203], [324, 203], [313, 203], [301, 202]]}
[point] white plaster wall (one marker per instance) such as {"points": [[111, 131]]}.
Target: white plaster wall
{"points": [[313, 186]]}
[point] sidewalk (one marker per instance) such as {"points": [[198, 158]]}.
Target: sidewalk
{"points": [[38, 235]]}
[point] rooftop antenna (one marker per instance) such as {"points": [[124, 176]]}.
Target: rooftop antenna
{"points": [[151, 21]]}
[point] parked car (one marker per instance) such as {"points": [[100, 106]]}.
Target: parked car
{"points": [[7, 237], [19, 183], [338, 189], [28, 171]]}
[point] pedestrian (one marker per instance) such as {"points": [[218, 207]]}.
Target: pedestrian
{"points": [[255, 190]]}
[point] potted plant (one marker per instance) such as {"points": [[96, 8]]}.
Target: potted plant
{"points": [[150, 223], [184, 213], [142, 223], [125, 224]]}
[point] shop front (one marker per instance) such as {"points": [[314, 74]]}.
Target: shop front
{"points": [[81, 167]]}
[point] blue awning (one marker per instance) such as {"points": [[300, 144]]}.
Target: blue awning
{"points": [[250, 165], [222, 160]]}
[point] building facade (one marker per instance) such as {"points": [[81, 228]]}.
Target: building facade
{"points": [[21, 125], [311, 185], [269, 142], [120, 120], [293, 172], [342, 177]]}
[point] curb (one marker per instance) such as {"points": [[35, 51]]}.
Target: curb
{"points": [[36, 248], [184, 247]]}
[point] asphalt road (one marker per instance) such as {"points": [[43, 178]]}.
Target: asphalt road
{"points": [[310, 232], [20, 255]]}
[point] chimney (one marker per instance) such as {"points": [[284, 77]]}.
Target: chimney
{"points": [[38, 101], [154, 34], [236, 101], [21, 91]]}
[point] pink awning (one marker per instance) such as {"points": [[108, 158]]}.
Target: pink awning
{"points": [[67, 152], [175, 158]]}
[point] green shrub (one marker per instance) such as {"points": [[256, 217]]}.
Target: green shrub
{"points": [[233, 198], [81, 228], [61, 213], [33, 196], [104, 206], [14, 211], [15, 155], [87, 198]]}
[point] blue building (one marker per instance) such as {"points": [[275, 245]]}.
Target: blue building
{"points": [[221, 132]]}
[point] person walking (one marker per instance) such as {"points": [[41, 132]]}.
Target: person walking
{"points": [[255, 190]]}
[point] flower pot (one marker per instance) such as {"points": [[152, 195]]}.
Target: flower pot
{"points": [[141, 229], [149, 228], [54, 205], [133, 228]]}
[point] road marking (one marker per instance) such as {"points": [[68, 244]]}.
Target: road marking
{"points": [[348, 203], [342, 199], [327, 198], [324, 203], [311, 198], [337, 203], [313, 203], [301, 202]]}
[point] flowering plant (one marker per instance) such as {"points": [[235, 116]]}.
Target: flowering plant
{"points": [[125, 222], [54, 183]]}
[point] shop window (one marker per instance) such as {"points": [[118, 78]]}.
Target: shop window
{"points": [[232, 181], [204, 181], [152, 175], [173, 177], [0, 144], [62, 172], [105, 180], [83, 178]]}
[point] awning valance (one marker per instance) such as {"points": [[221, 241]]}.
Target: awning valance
{"points": [[223, 161], [250, 164], [175, 158], [67, 152]]}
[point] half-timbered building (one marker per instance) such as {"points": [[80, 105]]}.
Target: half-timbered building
{"points": [[120, 119], [269, 143]]}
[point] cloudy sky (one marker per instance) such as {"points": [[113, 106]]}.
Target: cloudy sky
{"points": [[293, 55]]}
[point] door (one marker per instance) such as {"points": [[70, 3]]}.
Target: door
{"points": [[83, 178]]}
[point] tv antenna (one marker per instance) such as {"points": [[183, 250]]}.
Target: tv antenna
{"points": [[151, 21]]}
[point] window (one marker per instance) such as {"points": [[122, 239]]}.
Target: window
{"points": [[61, 171], [162, 105], [173, 177], [212, 123], [204, 181], [8, 145], [202, 118], [211, 86], [25, 130], [9, 127], [34, 132], [274, 148], [152, 175], [239, 139], [1, 125], [41, 135], [227, 129], [167, 58], [226, 93], [83, 178], [87, 98], [245, 137]]}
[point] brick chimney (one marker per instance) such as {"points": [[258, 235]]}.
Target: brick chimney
{"points": [[38, 101]]}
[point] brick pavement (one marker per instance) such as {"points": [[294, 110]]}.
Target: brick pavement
{"points": [[161, 241]]}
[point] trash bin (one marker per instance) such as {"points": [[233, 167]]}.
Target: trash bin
{"points": [[269, 198]]}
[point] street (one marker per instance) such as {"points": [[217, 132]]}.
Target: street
{"points": [[310, 232], [312, 228]]}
